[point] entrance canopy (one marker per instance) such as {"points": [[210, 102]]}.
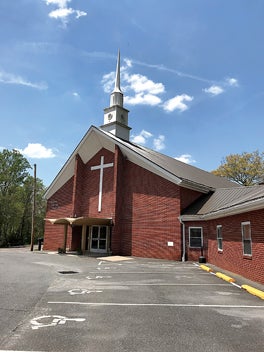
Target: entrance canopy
{"points": [[81, 221]]}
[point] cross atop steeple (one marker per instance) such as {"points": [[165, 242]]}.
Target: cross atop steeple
{"points": [[116, 97], [116, 116]]}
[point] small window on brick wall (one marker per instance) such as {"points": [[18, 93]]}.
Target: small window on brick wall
{"points": [[246, 238], [219, 236], [195, 237]]}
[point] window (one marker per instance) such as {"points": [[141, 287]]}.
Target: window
{"points": [[219, 237], [246, 238], [195, 237]]}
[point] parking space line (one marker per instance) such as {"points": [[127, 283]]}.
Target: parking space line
{"points": [[141, 272], [176, 305], [127, 284]]}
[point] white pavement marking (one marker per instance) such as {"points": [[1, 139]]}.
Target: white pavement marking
{"points": [[236, 285], [55, 320], [158, 305], [98, 277], [82, 291], [160, 284], [139, 272]]}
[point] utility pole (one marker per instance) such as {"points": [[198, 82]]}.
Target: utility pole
{"points": [[33, 208]]}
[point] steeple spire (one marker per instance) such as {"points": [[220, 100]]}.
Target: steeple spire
{"points": [[116, 97], [117, 79], [116, 116]]}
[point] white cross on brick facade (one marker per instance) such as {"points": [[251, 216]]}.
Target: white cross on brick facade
{"points": [[101, 167]]}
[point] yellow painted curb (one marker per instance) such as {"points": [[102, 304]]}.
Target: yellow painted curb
{"points": [[225, 277], [253, 291], [206, 268]]}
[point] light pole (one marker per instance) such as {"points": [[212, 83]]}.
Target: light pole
{"points": [[33, 209]]}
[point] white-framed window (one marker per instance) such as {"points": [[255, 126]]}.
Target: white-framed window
{"points": [[246, 238], [195, 237], [219, 237]]}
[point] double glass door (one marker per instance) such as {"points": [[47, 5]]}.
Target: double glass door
{"points": [[99, 239]]}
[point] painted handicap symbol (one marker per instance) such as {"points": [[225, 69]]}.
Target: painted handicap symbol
{"points": [[81, 291], [51, 320]]}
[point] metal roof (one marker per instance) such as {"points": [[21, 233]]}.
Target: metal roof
{"points": [[226, 201], [187, 173], [167, 167]]}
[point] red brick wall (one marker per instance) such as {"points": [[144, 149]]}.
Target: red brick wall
{"points": [[188, 196], [119, 185], [58, 206], [89, 187], [232, 258], [149, 219], [79, 177]]}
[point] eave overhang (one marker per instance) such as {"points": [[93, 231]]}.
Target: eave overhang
{"points": [[228, 211], [101, 139], [81, 221]]}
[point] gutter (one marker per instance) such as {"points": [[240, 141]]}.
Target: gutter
{"points": [[183, 239]]}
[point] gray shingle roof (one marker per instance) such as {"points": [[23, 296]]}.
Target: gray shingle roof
{"points": [[185, 172], [224, 199], [176, 171]]}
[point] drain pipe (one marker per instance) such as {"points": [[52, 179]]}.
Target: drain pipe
{"points": [[183, 239]]}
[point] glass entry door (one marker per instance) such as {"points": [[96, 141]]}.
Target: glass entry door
{"points": [[99, 239]]}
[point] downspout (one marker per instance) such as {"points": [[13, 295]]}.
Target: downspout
{"points": [[183, 239]]}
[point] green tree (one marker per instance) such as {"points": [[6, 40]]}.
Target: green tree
{"points": [[245, 169], [16, 192], [24, 233]]}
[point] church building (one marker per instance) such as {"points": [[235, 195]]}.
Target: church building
{"points": [[115, 197]]}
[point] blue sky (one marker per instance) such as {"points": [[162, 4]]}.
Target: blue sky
{"points": [[192, 76]]}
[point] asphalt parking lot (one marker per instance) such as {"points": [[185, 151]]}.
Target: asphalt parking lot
{"points": [[133, 304]]}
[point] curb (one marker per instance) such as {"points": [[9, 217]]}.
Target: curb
{"points": [[252, 290], [225, 277], [206, 268]]}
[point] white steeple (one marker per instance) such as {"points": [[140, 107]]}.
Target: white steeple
{"points": [[116, 97], [116, 116]]}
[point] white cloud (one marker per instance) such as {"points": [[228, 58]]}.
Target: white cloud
{"points": [[140, 84], [145, 137], [142, 137], [177, 103], [59, 3], [143, 99], [108, 81], [186, 158], [158, 143], [232, 82], [144, 90], [214, 90], [80, 13], [37, 151], [76, 95], [9, 78], [128, 62], [63, 12], [140, 90]]}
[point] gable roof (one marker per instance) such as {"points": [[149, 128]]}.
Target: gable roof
{"points": [[225, 202], [167, 167]]}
